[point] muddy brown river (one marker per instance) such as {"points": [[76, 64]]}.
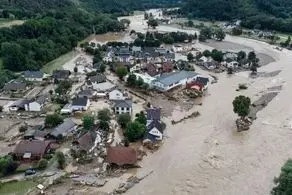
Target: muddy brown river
{"points": [[206, 155]]}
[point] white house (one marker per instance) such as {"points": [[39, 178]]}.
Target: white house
{"points": [[66, 109], [174, 79], [80, 104], [123, 106], [146, 78], [116, 95], [36, 105], [177, 48], [233, 64], [136, 67]]}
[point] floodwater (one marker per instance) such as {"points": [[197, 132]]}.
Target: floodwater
{"points": [[206, 155]]}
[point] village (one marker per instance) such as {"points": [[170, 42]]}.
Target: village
{"points": [[96, 119]]}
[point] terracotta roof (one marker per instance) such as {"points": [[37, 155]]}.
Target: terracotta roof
{"points": [[31, 146], [120, 155], [86, 141]]}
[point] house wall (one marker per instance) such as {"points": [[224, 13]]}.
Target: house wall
{"points": [[120, 110], [33, 107], [162, 87], [80, 108], [34, 79]]}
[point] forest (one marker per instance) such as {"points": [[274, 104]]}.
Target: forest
{"points": [[261, 14]]}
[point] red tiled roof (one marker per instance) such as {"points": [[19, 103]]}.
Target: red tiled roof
{"points": [[32, 146], [121, 155]]}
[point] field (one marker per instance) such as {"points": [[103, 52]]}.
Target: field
{"points": [[58, 63], [16, 188], [9, 23]]}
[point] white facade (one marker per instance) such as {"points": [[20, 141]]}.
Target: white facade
{"points": [[123, 110], [164, 87], [146, 78], [34, 79], [135, 68], [66, 109], [116, 95], [33, 107], [80, 107]]}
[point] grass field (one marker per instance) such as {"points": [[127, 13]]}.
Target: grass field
{"points": [[58, 63], [9, 23], [16, 188]]}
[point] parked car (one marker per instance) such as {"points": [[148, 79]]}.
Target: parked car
{"points": [[30, 172]]}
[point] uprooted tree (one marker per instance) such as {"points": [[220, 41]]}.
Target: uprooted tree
{"points": [[241, 106]]}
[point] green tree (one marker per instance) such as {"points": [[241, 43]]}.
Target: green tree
{"points": [[190, 23], [134, 131], [88, 122], [53, 120], [60, 159], [13, 56], [241, 55], [141, 118], [190, 57], [75, 69], [63, 87], [217, 55], [219, 34], [139, 82], [236, 31], [153, 23], [206, 32], [131, 80], [241, 106], [167, 39], [104, 115], [124, 119], [42, 164], [104, 125], [122, 72], [251, 57], [7, 165], [102, 68], [207, 53], [284, 181], [146, 16]]}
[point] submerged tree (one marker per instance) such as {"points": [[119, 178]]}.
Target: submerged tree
{"points": [[241, 106]]}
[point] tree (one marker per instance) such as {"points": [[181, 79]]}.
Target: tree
{"points": [[124, 119], [125, 22], [141, 118], [51, 92], [251, 57], [206, 32], [190, 57], [207, 53], [134, 131], [122, 71], [167, 39], [104, 115], [63, 87], [104, 125], [241, 55], [190, 23], [88, 122], [13, 56], [195, 36], [22, 128], [219, 34], [42, 164], [146, 16], [236, 31], [75, 69], [202, 38], [7, 165], [284, 181], [139, 82], [131, 80], [53, 120], [241, 105], [102, 68], [61, 159], [217, 55], [153, 23]]}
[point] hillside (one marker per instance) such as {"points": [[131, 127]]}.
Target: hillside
{"points": [[263, 14]]}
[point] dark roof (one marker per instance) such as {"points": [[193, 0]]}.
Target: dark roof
{"points": [[63, 128], [150, 52], [151, 69], [36, 147], [120, 155], [86, 141], [40, 99], [169, 55], [14, 86], [99, 78], [170, 78], [80, 101], [123, 103], [61, 74], [153, 113], [154, 123], [86, 92], [202, 80], [33, 74], [20, 103]]}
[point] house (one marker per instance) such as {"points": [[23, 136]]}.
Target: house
{"points": [[146, 78], [18, 105], [233, 64], [33, 75], [136, 67], [103, 87], [177, 48], [169, 56], [151, 69], [161, 51], [124, 54], [170, 80], [80, 104], [60, 75], [167, 67], [120, 155], [32, 131], [203, 81], [31, 150], [123, 106], [116, 94], [86, 141], [200, 83], [86, 93], [99, 78], [36, 104], [182, 65], [66, 109], [15, 86], [136, 49], [64, 129], [154, 128]]}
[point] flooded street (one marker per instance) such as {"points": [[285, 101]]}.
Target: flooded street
{"points": [[206, 155]]}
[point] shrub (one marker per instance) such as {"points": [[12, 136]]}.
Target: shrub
{"points": [[43, 163]]}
